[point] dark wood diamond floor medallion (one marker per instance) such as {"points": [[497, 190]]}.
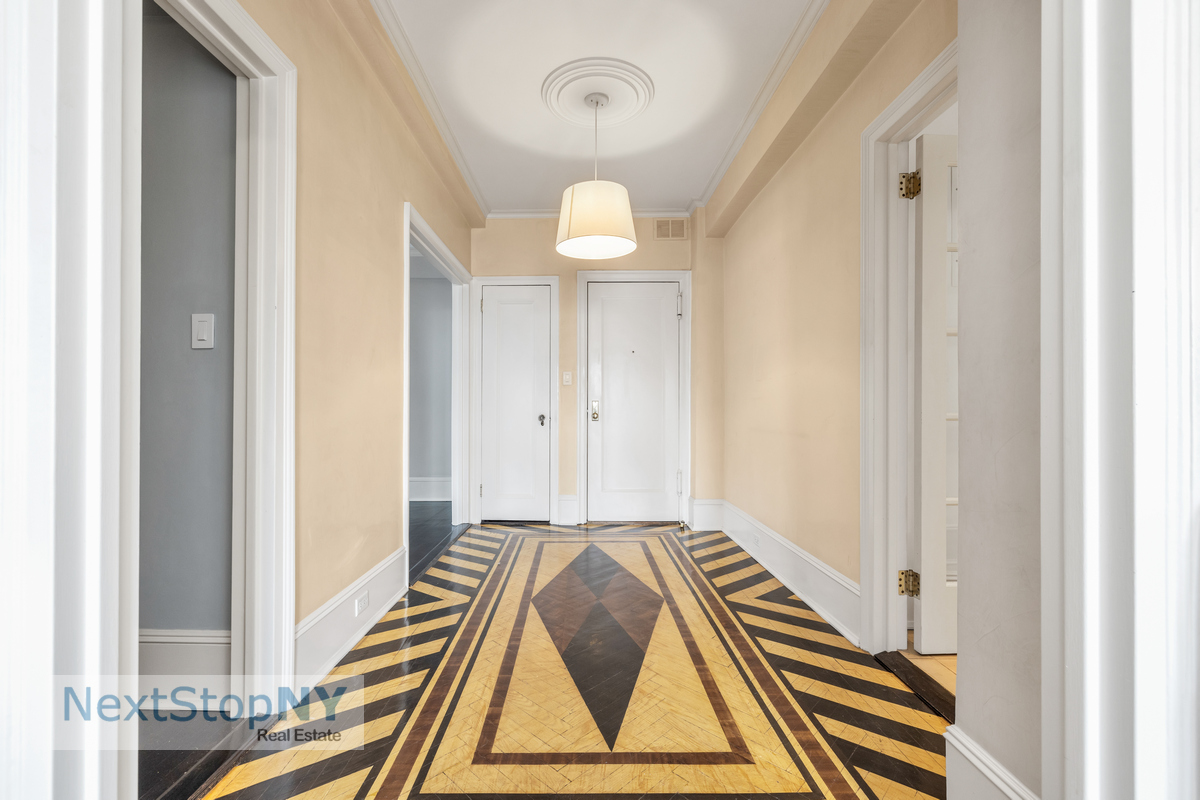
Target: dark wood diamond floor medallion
{"points": [[600, 618], [639, 662]]}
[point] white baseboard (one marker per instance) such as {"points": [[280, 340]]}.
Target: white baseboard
{"points": [[707, 515], [830, 593], [972, 773], [163, 652], [568, 509], [436, 489], [325, 636], [183, 652]]}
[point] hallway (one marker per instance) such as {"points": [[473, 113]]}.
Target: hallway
{"points": [[606, 660]]}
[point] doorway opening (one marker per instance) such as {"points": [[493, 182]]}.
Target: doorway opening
{"points": [[909, 434], [193, 395], [436, 293], [431, 525]]}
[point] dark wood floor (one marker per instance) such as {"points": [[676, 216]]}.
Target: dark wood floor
{"points": [[429, 532], [176, 758]]}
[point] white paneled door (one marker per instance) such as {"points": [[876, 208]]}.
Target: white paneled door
{"points": [[516, 403], [633, 462], [936, 367]]}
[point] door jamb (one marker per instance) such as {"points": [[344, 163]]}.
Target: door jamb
{"points": [[684, 278], [886, 351], [417, 231], [476, 437]]}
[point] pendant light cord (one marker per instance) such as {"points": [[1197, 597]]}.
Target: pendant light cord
{"points": [[596, 142]]}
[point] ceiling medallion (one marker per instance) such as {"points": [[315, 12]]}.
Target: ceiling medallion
{"points": [[628, 87]]}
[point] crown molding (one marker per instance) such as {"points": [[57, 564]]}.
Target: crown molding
{"points": [[408, 56], [787, 54], [552, 213], [804, 27]]}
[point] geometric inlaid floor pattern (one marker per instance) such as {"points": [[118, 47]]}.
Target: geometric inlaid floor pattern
{"points": [[609, 660]]}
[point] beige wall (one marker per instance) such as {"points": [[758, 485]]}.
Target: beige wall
{"points": [[357, 163], [708, 362], [791, 316], [526, 247]]}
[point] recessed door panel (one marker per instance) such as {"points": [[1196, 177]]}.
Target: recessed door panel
{"points": [[936, 400], [516, 403], [633, 401]]}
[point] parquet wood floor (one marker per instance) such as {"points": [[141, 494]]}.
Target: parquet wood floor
{"points": [[608, 660]]}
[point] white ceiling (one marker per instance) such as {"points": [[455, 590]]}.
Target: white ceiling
{"points": [[480, 66]]}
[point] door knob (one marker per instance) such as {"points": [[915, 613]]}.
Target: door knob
{"points": [[595, 410], [542, 420]]}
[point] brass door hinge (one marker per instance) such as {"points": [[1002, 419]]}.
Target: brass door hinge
{"points": [[910, 184], [910, 583]]}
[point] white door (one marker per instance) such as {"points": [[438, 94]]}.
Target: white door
{"points": [[633, 402], [936, 362], [516, 403]]}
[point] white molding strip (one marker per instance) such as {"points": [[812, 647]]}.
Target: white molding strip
{"points": [[325, 636], [991, 771], [182, 636], [707, 515], [568, 509], [552, 213], [791, 48], [429, 489], [830, 593], [408, 56]]}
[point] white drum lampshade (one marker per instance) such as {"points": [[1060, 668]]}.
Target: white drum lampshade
{"points": [[596, 221]]}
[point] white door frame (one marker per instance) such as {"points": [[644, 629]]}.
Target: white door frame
{"points": [[476, 480], [886, 350], [74, 293], [418, 231], [1120, 399], [684, 279]]}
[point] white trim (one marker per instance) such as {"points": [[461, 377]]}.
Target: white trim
{"points": [[884, 350], [418, 232], [429, 489], [684, 279], [1119, 446], [182, 636], [988, 769], [707, 515], [408, 56], [568, 509], [476, 437], [325, 636], [552, 213], [831, 594], [783, 62]]}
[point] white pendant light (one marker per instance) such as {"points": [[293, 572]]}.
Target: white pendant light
{"points": [[596, 220]]}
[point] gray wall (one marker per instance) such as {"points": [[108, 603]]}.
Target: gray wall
{"points": [[429, 373], [189, 108], [999, 677]]}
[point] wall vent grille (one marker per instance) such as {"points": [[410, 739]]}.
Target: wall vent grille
{"points": [[671, 228]]}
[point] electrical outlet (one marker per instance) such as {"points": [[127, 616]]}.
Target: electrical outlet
{"points": [[756, 540], [360, 604]]}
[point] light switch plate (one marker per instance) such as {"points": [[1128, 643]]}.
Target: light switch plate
{"points": [[566, 379], [203, 330]]}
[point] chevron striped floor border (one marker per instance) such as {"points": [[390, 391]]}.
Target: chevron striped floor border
{"points": [[606, 660]]}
